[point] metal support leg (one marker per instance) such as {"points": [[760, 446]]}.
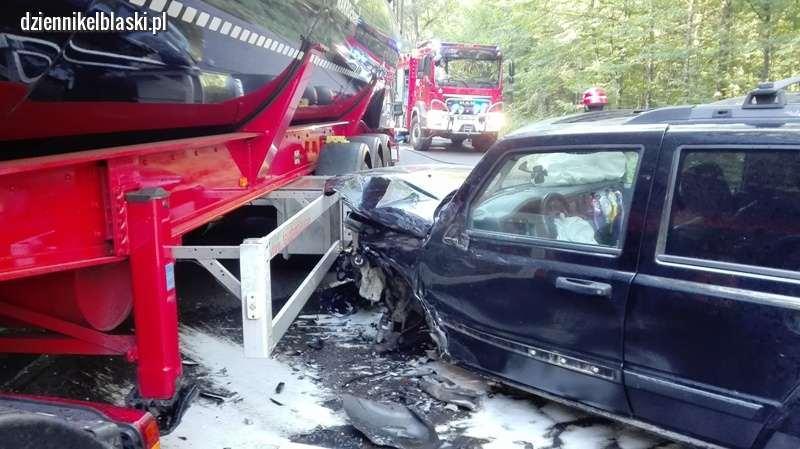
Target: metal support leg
{"points": [[155, 308], [319, 220], [256, 298]]}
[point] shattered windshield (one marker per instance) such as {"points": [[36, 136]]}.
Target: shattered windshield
{"points": [[468, 72], [402, 198]]}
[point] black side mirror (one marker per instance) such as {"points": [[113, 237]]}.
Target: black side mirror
{"points": [[397, 109], [511, 71]]}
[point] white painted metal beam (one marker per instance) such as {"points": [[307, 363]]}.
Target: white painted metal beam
{"points": [[290, 310]]}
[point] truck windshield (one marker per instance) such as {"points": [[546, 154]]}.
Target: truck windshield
{"points": [[468, 72]]}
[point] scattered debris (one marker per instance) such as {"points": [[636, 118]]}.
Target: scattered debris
{"points": [[390, 342], [279, 388], [362, 377], [372, 282], [317, 343], [339, 299], [276, 402], [187, 362], [216, 397], [447, 391], [390, 425]]}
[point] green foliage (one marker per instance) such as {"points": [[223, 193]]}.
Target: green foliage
{"points": [[645, 53]]}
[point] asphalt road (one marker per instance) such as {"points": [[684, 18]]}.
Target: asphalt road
{"points": [[441, 152]]}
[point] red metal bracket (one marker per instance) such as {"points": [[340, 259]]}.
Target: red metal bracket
{"points": [[83, 339], [271, 123]]}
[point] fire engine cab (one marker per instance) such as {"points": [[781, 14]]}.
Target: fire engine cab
{"points": [[454, 91]]}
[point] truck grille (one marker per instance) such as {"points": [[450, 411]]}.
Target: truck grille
{"points": [[471, 106]]}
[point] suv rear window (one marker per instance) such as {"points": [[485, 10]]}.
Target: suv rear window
{"points": [[740, 207]]}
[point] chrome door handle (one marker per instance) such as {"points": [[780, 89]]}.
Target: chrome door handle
{"points": [[584, 287]]}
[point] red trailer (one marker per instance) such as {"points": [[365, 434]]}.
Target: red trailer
{"points": [[114, 147]]}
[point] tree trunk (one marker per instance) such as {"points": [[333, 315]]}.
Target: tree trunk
{"points": [[649, 68], [725, 50], [416, 22], [766, 51], [765, 10], [688, 76]]}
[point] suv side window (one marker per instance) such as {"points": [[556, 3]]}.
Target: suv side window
{"points": [[736, 206], [578, 197]]}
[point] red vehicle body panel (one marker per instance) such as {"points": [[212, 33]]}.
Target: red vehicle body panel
{"points": [[86, 234]]}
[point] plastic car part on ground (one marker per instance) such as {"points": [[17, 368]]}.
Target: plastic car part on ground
{"points": [[390, 425], [451, 393]]}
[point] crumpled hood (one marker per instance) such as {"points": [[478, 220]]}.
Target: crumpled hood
{"points": [[400, 198]]}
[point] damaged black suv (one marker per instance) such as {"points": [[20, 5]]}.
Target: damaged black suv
{"points": [[643, 266]]}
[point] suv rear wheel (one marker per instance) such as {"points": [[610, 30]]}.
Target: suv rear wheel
{"points": [[418, 139]]}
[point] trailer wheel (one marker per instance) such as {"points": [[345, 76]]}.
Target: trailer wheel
{"points": [[483, 142], [418, 139], [378, 148], [457, 141], [343, 158]]}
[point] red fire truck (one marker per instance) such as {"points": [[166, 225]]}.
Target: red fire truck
{"points": [[114, 146], [454, 91]]}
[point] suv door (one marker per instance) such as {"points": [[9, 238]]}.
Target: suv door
{"points": [[537, 292], [712, 338]]}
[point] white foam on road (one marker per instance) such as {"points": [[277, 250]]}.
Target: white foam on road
{"points": [[575, 437], [631, 438], [249, 420], [507, 423]]}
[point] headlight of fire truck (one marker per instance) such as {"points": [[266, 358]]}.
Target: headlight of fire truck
{"points": [[438, 115], [495, 118]]}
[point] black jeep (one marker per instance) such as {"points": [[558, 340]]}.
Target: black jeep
{"points": [[643, 266]]}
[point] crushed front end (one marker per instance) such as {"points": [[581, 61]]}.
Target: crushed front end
{"points": [[391, 212]]}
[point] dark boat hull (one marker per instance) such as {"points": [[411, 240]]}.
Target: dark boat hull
{"points": [[216, 65]]}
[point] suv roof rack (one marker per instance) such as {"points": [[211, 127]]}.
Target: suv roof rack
{"points": [[769, 95], [768, 103]]}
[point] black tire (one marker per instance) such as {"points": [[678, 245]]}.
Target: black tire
{"points": [[457, 141], [483, 142], [343, 158], [418, 139], [378, 144]]}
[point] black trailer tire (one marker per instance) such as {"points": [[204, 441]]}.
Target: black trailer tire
{"points": [[457, 141], [343, 158], [418, 139], [378, 148], [31, 431], [483, 142]]}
